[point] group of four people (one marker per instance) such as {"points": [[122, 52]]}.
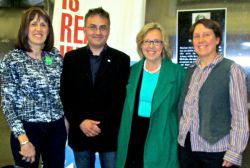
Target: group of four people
{"points": [[133, 117]]}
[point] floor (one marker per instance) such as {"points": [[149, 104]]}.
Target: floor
{"points": [[6, 157]]}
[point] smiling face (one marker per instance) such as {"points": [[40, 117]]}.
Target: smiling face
{"points": [[38, 32], [97, 31], [205, 41], [152, 46]]}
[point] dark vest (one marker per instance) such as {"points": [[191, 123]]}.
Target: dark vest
{"points": [[214, 102]]}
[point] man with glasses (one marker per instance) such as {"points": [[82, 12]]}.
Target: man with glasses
{"points": [[93, 88]]}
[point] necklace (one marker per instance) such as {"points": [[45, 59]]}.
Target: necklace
{"points": [[154, 71]]}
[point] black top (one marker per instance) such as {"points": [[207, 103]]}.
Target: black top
{"points": [[138, 135], [95, 61]]}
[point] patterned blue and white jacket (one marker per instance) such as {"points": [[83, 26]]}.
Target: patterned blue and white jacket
{"points": [[30, 88]]}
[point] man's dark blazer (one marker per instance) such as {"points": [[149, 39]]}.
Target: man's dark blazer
{"points": [[102, 101]]}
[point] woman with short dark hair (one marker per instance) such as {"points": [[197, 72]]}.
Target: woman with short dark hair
{"points": [[213, 129]]}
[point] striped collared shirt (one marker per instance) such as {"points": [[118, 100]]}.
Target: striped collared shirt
{"points": [[234, 143]]}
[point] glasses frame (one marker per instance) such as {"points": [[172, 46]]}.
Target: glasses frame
{"points": [[154, 42], [101, 28]]}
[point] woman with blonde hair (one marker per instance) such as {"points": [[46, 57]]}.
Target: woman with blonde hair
{"points": [[149, 128]]}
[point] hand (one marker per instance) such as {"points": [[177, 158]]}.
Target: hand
{"points": [[227, 164], [28, 152], [90, 128], [66, 124]]}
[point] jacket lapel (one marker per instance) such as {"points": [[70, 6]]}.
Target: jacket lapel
{"points": [[165, 83], [133, 83], [106, 61], [83, 65]]}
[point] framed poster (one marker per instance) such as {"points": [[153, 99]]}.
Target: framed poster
{"points": [[185, 19]]}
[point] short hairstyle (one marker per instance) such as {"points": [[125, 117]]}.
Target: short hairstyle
{"points": [[145, 29], [210, 24], [97, 11], [22, 37]]}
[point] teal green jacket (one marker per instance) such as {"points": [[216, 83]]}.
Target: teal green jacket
{"points": [[160, 149]]}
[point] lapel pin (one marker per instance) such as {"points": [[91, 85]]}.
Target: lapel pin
{"points": [[48, 60]]}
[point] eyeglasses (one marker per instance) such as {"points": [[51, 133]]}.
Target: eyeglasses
{"points": [[154, 42], [101, 28]]}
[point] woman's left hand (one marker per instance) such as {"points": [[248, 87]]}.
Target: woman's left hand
{"points": [[227, 164], [28, 152]]}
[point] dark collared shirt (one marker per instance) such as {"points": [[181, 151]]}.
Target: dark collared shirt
{"points": [[95, 61]]}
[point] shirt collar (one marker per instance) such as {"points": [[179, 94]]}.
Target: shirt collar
{"points": [[102, 52], [212, 64]]}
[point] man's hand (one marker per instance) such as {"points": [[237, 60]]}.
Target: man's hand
{"points": [[90, 128]]}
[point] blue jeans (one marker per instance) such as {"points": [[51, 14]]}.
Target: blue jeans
{"points": [[86, 159]]}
